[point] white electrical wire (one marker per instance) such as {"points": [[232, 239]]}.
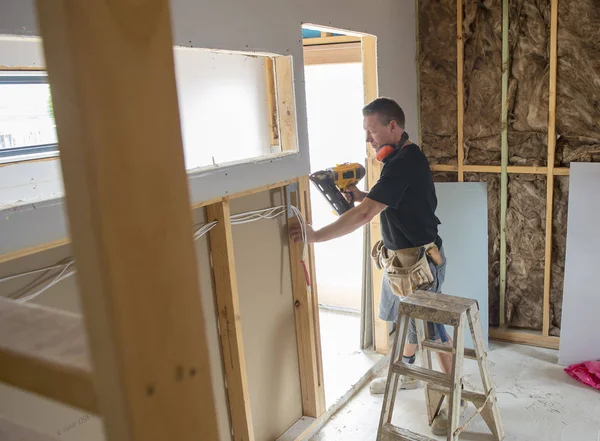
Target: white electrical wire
{"points": [[236, 219]]}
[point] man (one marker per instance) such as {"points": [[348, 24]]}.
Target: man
{"points": [[404, 198]]}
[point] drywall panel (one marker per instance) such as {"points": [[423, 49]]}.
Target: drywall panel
{"points": [[267, 314], [462, 209], [70, 424], [274, 26], [581, 297]]}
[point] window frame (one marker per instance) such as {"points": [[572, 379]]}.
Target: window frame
{"points": [[15, 155]]}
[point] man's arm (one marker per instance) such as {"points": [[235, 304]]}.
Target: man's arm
{"points": [[347, 223]]}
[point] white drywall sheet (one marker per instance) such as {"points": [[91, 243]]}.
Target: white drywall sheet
{"points": [[462, 209], [581, 294]]}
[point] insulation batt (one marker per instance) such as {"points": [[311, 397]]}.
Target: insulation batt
{"points": [[578, 82], [482, 36], [528, 86], [525, 244], [493, 190], [437, 75]]}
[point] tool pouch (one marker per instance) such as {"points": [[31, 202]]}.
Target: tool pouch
{"points": [[407, 270]]}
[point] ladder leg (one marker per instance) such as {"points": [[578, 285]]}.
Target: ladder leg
{"points": [[392, 378], [490, 413], [434, 399], [457, 372]]}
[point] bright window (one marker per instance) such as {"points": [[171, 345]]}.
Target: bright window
{"points": [[27, 128]]}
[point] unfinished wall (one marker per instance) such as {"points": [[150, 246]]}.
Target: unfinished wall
{"points": [[528, 87], [482, 36], [269, 335], [437, 80], [578, 131], [578, 82]]}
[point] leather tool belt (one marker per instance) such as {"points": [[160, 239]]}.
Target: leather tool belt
{"points": [[407, 270]]}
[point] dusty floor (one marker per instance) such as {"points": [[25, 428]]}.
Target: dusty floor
{"points": [[538, 402], [343, 362]]}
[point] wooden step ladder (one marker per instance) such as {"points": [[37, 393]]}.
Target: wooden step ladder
{"points": [[453, 311]]}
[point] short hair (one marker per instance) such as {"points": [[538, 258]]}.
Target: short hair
{"points": [[387, 110]]}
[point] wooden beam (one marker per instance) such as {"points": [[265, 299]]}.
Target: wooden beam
{"points": [[369, 57], [460, 89], [12, 432], [230, 320], [286, 104], [129, 215], [504, 161], [331, 40], [271, 100], [443, 168], [309, 356], [33, 250], [44, 351], [514, 169], [561, 171], [550, 179], [531, 338], [332, 54]]}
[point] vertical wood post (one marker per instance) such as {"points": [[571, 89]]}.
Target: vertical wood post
{"points": [[230, 323], [550, 167], [306, 312], [110, 66], [460, 90], [369, 56]]}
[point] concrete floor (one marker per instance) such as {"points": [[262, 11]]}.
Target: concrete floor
{"points": [[538, 402], [343, 362]]}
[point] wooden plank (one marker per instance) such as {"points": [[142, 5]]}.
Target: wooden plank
{"points": [[309, 357], [466, 395], [33, 250], [550, 179], [369, 57], [298, 430], [44, 351], [286, 104], [460, 89], [305, 186], [531, 338], [422, 374], [332, 54], [511, 169], [393, 433], [504, 161], [492, 414], [440, 347], [330, 40], [271, 100], [129, 216], [456, 378], [561, 171], [443, 168], [230, 321], [12, 432]]}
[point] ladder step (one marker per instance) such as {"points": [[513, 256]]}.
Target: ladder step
{"points": [[439, 347], [44, 351], [466, 395], [393, 433], [12, 432], [420, 373]]}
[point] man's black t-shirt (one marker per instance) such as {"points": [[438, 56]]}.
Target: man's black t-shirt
{"points": [[406, 187]]}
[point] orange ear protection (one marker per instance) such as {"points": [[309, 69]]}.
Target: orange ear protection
{"points": [[384, 151], [388, 149]]}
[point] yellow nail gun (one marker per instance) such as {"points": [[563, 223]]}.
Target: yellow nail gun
{"points": [[333, 181]]}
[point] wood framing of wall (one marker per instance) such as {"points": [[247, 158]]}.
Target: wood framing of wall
{"points": [[536, 338]]}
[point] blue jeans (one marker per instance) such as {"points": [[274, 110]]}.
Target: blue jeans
{"points": [[388, 306]]}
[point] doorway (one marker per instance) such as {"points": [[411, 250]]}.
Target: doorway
{"points": [[333, 69]]}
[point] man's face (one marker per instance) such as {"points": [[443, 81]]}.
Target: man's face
{"points": [[378, 134]]}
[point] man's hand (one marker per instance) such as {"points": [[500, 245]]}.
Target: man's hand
{"points": [[296, 233], [353, 194]]}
